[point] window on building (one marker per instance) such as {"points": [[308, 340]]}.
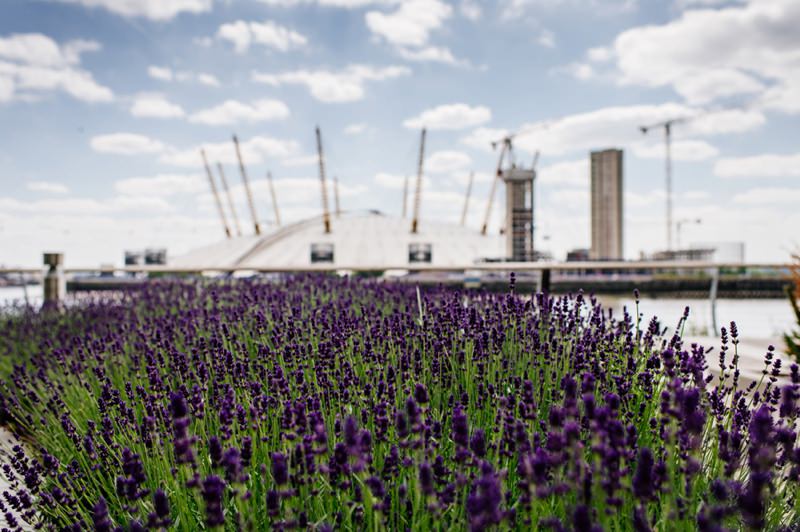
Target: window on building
{"points": [[420, 252], [321, 253]]}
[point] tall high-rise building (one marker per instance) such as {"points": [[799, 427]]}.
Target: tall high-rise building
{"points": [[607, 209], [519, 213]]}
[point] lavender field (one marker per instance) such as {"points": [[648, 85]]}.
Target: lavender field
{"points": [[322, 403]]}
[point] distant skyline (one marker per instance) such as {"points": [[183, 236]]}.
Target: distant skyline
{"points": [[104, 106]]}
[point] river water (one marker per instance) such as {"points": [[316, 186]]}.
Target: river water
{"points": [[755, 318]]}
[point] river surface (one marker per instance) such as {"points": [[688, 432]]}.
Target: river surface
{"points": [[755, 318]]}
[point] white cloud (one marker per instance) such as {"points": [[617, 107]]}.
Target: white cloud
{"points": [[483, 137], [298, 196], [162, 185], [520, 9], [125, 144], [784, 96], [161, 73], [155, 106], [547, 39], [243, 34], [411, 23], [570, 197], [766, 165], [578, 70], [345, 4], [573, 173], [619, 126], [445, 161], [724, 121], [470, 9], [161, 10], [450, 116], [85, 206], [32, 63], [234, 112], [716, 84], [769, 196], [392, 181], [682, 150], [254, 151], [207, 79], [705, 3], [600, 54], [6, 89], [167, 74], [711, 54], [355, 129], [47, 187], [695, 195], [328, 86], [35, 49], [302, 160], [433, 54], [644, 199]]}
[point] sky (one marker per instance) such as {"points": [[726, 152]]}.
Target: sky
{"points": [[105, 104]]}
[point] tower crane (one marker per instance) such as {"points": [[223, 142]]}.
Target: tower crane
{"points": [[507, 146], [667, 125], [506, 149]]}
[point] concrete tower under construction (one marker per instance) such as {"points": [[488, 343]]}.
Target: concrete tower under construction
{"points": [[607, 205], [519, 213]]}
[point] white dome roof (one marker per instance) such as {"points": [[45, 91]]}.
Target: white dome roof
{"points": [[360, 240]]}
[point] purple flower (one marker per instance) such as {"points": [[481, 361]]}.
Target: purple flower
{"points": [[426, 478], [212, 491], [280, 469], [161, 504], [100, 519], [215, 450], [460, 428], [643, 481], [483, 501], [478, 443], [421, 394]]}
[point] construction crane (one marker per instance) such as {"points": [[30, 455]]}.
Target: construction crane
{"points": [[246, 182], [418, 188], [667, 125], [326, 216], [216, 194], [230, 199], [506, 148], [466, 199]]}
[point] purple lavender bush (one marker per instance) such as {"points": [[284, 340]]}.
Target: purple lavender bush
{"points": [[321, 403]]}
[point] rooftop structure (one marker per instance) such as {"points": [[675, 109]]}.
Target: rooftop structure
{"points": [[359, 239]]}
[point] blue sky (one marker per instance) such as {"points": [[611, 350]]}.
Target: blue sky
{"points": [[104, 105]]}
